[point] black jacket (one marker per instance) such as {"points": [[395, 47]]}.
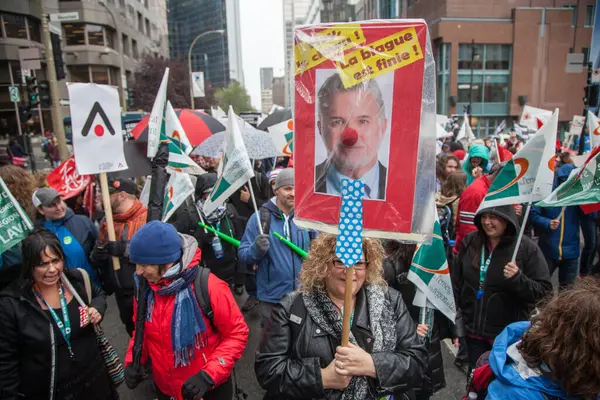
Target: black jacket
{"points": [[262, 192], [24, 326], [290, 357], [504, 300]]}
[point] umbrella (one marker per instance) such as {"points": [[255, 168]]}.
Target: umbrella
{"points": [[138, 163], [258, 144], [275, 118], [198, 126]]}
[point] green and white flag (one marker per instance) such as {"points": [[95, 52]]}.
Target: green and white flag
{"points": [[179, 188], [15, 224], [529, 175], [156, 123], [593, 129], [179, 145], [282, 135], [235, 169], [430, 273]]}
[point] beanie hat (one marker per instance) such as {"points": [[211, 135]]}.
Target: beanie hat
{"points": [[273, 175], [155, 243], [460, 154], [285, 178]]}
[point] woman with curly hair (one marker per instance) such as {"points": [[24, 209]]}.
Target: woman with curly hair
{"points": [[557, 354], [300, 356]]}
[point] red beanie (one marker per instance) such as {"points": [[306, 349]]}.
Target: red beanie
{"points": [[460, 154]]}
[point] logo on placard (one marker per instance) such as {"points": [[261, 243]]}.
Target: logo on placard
{"points": [[98, 128]]}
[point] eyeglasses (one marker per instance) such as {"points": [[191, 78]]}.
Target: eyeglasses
{"points": [[359, 266], [47, 264]]}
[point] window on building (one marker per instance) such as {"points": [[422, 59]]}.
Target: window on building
{"points": [[470, 55], [14, 26], [442, 56], [110, 2], [586, 55], [148, 31], [146, 3], [131, 13], [79, 73], [114, 76], [590, 15], [99, 74], [4, 75], [126, 49], [109, 36], [140, 22], [35, 30], [134, 49], [74, 34], [95, 34], [497, 56], [122, 3]]}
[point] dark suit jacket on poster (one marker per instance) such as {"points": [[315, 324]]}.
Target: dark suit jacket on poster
{"points": [[321, 179]]}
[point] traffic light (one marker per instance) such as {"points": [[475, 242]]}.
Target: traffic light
{"points": [[32, 91], [44, 92], [24, 113], [130, 98]]}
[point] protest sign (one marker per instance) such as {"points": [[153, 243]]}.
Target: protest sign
{"points": [[14, 223], [532, 118], [577, 125], [96, 122], [66, 180], [362, 112], [282, 135]]}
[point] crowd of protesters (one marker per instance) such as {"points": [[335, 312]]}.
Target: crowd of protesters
{"points": [[176, 284]]}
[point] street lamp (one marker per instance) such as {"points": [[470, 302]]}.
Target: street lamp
{"points": [[120, 41], [200, 36], [474, 55]]}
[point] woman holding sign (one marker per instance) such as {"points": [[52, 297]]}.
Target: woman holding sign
{"points": [[300, 356]]}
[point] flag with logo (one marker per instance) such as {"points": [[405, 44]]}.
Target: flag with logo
{"points": [[529, 175], [235, 169], [500, 128], [179, 188], [465, 134], [533, 118], [156, 123], [430, 274], [282, 135], [16, 225], [179, 145], [594, 129], [66, 180]]}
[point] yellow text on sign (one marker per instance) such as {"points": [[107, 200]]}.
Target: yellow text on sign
{"points": [[326, 44], [380, 57]]}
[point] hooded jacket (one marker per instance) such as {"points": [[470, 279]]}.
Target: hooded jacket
{"points": [[564, 242], [476, 150], [279, 267], [504, 300], [224, 340], [468, 204], [514, 379]]}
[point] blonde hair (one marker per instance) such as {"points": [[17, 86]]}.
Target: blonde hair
{"points": [[317, 265]]}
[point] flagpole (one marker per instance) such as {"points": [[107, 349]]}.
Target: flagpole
{"points": [[260, 229], [199, 213], [521, 232], [347, 307]]}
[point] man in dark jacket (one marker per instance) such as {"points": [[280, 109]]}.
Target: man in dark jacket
{"points": [[491, 291], [77, 234]]}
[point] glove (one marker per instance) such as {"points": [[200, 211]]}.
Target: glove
{"points": [[132, 377], [262, 243], [116, 249], [196, 386]]}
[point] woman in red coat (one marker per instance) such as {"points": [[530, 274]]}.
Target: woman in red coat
{"points": [[192, 358]]}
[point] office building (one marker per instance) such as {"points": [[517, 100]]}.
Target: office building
{"points": [[234, 41], [266, 100], [89, 46], [266, 78], [279, 94], [498, 55]]}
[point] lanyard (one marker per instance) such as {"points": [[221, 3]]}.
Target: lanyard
{"points": [[483, 267], [218, 226], [65, 329]]}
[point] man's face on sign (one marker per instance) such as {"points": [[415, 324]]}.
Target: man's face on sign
{"points": [[353, 130]]}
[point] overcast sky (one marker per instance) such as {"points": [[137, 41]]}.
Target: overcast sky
{"points": [[262, 42]]}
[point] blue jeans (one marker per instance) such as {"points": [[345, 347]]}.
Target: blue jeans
{"points": [[588, 228], [567, 270]]}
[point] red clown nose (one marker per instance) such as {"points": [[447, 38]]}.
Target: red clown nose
{"points": [[349, 137]]}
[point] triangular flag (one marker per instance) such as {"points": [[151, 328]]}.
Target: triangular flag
{"points": [[430, 273], [529, 175], [282, 135], [179, 145], [594, 129], [16, 224], [179, 188], [217, 113], [235, 169], [500, 128], [466, 133], [156, 123]]}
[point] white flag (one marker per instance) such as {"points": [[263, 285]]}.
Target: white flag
{"points": [[594, 129], [179, 188], [217, 113], [96, 123], [179, 145], [465, 133], [533, 117], [282, 135], [156, 123], [235, 169]]}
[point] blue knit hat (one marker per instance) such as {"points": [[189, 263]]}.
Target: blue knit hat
{"points": [[155, 243]]}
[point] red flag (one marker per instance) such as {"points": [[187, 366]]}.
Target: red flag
{"points": [[503, 154], [66, 180], [590, 208]]}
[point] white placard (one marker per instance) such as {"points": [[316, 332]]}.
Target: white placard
{"points": [[198, 84], [96, 122]]}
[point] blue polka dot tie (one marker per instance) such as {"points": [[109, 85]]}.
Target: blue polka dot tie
{"points": [[349, 241]]}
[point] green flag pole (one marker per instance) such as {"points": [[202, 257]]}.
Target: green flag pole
{"points": [[291, 245], [223, 236]]}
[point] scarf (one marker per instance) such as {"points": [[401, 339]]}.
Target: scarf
{"points": [[381, 316], [187, 324], [133, 219], [215, 216]]}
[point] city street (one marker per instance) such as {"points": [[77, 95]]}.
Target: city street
{"points": [[41, 163], [455, 378]]}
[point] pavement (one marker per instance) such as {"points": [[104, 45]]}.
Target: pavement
{"points": [[115, 332]]}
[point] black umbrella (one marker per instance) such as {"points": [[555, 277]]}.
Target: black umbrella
{"points": [[275, 118], [138, 163]]}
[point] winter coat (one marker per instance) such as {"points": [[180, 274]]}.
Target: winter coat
{"points": [[476, 150], [564, 242], [224, 340], [504, 300], [10, 266], [468, 203], [79, 228], [290, 357], [27, 340], [278, 269], [262, 192], [509, 382]]}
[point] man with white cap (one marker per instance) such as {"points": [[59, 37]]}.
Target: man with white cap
{"points": [[77, 234]]}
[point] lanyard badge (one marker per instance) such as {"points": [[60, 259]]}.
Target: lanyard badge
{"points": [[483, 267]]}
